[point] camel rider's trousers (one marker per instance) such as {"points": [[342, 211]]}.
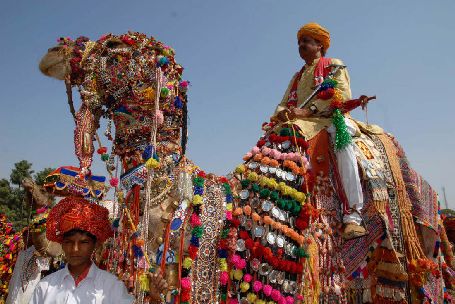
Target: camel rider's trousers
{"points": [[349, 174]]}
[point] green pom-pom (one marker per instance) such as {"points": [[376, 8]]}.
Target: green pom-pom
{"points": [[281, 202], [164, 92], [296, 209], [223, 297], [301, 253], [255, 188], [198, 181], [245, 183], [225, 233], [264, 193], [274, 196], [105, 157], [198, 231], [342, 136], [227, 188]]}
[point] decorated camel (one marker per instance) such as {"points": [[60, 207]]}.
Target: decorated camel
{"points": [[270, 234]]}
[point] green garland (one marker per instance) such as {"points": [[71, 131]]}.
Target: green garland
{"points": [[342, 136]]}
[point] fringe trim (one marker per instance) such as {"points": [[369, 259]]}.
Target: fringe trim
{"points": [[413, 249]]}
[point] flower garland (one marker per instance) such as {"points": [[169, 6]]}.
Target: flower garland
{"points": [[223, 245], [197, 231], [328, 91]]}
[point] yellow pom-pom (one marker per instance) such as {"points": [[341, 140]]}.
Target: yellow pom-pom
{"points": [[223, 265], [273, 184], [244, 286], [238, 274], [251, 297], [240, 169], [253, 176], [300, 197], [197, 199], [259, 301], [229, 207], [187, 263], [152, 163]]}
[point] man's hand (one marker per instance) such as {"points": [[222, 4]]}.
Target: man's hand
{"points": [[364, 100]]}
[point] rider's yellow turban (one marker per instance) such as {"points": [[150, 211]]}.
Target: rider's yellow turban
{"points": [[317, 32]]}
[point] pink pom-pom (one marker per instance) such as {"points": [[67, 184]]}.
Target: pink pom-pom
{"points": [[224, 278], [186, 283], [233, 301], [255, 150], [281, 300], [229, 215], [113, 182], [279, 155], [235, 258], [248, 155], [184, 83], [247, 277], [257, 286], [276, 295], [266, 150], [289, 300], [267, 289], [300, 297], [241, 264], [195, 220], [159, 117]]}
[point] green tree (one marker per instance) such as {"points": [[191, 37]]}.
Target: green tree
{"points": [[12, 195]]}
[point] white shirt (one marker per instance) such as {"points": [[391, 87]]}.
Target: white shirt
{"points": [[22, 285], [98, 287]]}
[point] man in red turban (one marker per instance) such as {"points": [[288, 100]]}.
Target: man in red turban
{"points": [[80, 226]]}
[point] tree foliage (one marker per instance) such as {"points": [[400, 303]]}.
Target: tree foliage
{"points": [[12, 194]]}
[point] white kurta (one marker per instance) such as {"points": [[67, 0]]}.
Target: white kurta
{"points": [[98, 287], [22, 285]]}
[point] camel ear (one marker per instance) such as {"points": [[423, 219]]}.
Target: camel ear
{"points": [[56, 62]]}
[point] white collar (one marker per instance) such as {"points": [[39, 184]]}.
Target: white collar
{"points": [[91, 273]]}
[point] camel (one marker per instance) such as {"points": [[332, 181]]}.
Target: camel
{"points": [[284, 225]]}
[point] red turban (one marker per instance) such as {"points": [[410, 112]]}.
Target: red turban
{"points": [[77, 213]]}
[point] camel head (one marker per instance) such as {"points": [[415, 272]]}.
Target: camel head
{"points": [[130, 79]]}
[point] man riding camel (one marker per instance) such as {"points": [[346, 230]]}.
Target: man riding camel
{"points": [[312, 112]]}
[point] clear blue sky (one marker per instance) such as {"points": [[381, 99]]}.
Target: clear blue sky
{"points": [[239, 56]]}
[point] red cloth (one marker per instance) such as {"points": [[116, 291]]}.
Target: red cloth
{"points": [[77, 213]]}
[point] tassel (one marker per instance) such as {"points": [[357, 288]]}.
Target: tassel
{"points": [[144, 282]]}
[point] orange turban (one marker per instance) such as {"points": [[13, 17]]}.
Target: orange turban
{"points": [[77, 213], [317, 32]]}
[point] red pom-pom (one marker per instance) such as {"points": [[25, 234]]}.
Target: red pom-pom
{"points": [[101, 150], [192, 251], [326, 94], [201, 174], [260, 143], [235, 223], [113, 182], [223, 180], [301, 223], [244, 235], [249, 244], [185, 296]]}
